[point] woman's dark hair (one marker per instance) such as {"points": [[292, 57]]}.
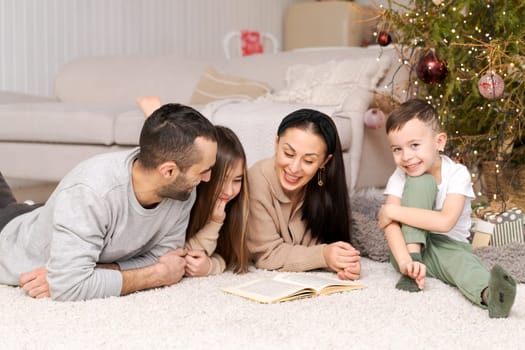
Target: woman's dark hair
{"points": [[169, 135], [326, 209], [231, 245]]}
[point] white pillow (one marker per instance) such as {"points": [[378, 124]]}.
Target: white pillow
{"points": [[330, 83]]}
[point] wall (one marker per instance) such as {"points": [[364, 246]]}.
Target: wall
{"points": [[38, 36]]}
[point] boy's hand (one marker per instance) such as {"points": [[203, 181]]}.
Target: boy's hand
{"points": [[197, 263], [415, 270]]}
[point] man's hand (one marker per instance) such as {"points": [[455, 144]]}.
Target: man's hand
{"points": [[343, 257], [415, 270], [172, 264], [197, 263], [167, 271], [34, 283]]}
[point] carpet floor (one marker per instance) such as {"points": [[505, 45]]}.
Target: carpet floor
{"points": [[196, 314]]}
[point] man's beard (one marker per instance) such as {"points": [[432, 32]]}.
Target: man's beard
{"points": [[179, 190]]}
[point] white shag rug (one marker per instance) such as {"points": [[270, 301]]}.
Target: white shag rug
{"points": [[196, 314]]}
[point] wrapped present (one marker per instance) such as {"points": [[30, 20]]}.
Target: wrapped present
{"points": [[508, 226], [482, 233]]}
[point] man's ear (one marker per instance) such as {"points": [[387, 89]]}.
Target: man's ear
{"points": [[441, 141], [168, 170]]}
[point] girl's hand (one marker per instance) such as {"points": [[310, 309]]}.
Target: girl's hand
{"points": [[197, 263], [219, 214]]}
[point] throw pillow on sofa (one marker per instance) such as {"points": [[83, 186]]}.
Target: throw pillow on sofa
{"points": [[330, 83], [214, 86]]}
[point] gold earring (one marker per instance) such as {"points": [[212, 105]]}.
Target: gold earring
{"points": [[320, 177]]}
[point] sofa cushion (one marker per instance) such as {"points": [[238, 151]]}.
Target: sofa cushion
{"points": [[58, 122], [213, 86]]}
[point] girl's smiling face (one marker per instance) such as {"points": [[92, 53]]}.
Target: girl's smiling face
{"points": [[232, 184]]}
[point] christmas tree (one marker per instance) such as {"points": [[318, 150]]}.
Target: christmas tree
{"points": [[467, 58]]}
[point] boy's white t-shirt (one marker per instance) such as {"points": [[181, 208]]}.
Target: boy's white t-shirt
{"points": [[455, 178]]}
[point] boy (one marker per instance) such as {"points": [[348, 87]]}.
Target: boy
{"points": [[426, 217]]}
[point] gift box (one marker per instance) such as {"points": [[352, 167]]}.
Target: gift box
{"points": [[482, 233], [508, 226]]}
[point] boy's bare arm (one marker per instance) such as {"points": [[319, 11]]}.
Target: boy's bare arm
{"points": [[394, 236], [430, 220]]}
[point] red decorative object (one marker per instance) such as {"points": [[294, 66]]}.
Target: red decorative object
{"points": [[491, 86], [430, 69], [374, 118], [251, 42], [384, 38]]}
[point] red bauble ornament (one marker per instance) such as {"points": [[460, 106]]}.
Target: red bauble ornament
{"points": [[384, 38], [430, 69], [374, 118], [491, 86]]}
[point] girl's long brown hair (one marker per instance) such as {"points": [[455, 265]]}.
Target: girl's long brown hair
{"points": [[231, 245]]}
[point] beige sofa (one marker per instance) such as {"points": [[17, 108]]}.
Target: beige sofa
{"points": [[94, 110]]}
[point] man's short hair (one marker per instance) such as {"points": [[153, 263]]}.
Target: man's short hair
{"points": [[169, 135]]}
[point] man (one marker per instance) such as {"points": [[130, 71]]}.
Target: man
{"points": [[116, 223]]}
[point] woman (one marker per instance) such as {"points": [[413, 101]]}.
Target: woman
{"points": [[216, 235], [299, 204]]}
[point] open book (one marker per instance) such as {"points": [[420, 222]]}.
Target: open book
{"points": [[290, 286]]}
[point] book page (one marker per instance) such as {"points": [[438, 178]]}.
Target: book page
{"points": [[312, 281], [266, 290]]}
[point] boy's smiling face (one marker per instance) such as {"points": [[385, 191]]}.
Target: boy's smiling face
{"points": [[416, 147]]}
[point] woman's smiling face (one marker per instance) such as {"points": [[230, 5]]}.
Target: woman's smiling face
{"points": [[299, 154]]}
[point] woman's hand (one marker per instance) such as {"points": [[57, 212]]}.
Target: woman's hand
{"points": [[344, 259], [197, 263], [352, 272]]}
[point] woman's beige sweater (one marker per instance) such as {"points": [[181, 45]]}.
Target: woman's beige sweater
{"points": [[277, 238]]}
